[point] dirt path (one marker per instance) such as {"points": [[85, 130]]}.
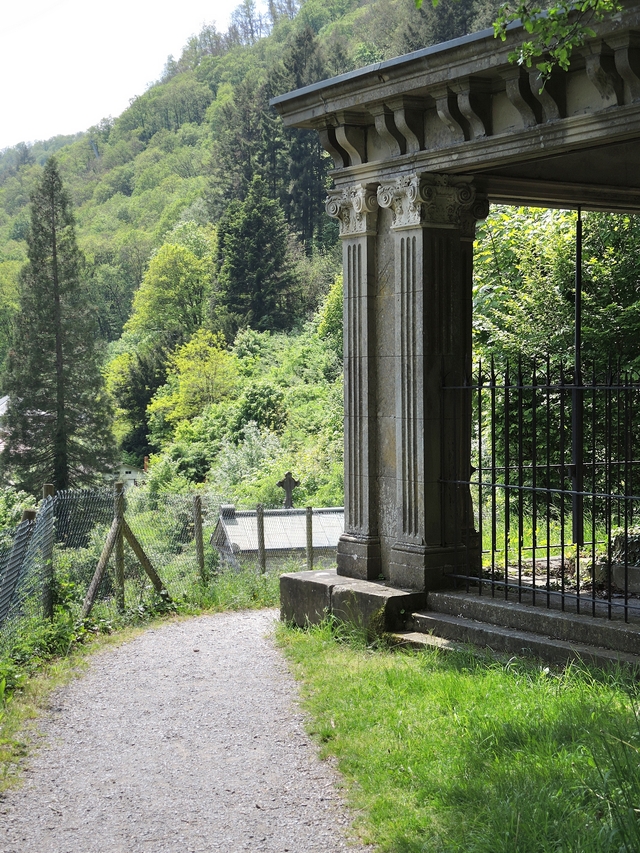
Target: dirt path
{"points": [[186, 739]]}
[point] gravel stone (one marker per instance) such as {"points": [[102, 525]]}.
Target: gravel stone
{"points": [[187, 739]]}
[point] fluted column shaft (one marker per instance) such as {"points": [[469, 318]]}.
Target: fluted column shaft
{"points": [[433, 225], [359, 547]]}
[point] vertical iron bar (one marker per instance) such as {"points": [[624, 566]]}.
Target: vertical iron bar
{"points": [[608, 426], [520, 477], [626, 494], [577, 411], [534, 478], [549, 495], [507, 462], [480, 473], [594, 486], [562, 488], [494, 491]]}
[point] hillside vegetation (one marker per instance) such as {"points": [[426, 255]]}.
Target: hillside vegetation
{"points": [[210, 262], [213, 269]]}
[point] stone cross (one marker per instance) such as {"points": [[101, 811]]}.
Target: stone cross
{"points": [[288, 483]]}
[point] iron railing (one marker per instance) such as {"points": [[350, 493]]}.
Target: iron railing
{"points": [[555, 486]]}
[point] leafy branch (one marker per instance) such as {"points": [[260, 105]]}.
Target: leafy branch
{"points": [[553, 33]]}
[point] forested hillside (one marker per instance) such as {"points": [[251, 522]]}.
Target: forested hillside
{"points": [[209, 259], [210, 263]]}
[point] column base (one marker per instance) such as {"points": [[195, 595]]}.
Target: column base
{"points": [[359, 557], [423, 567]]}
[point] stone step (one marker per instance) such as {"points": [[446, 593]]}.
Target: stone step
{"points": [[561, 625], [459, 630]]}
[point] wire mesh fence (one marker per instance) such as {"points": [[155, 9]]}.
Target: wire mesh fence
{"points": [[51, 559], [25, 571]]}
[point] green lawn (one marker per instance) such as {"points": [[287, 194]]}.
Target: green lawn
{"points": [[448, 752]]}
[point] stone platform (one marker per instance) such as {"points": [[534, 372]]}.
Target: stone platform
{"points": [[306, 598], [459, 620]]}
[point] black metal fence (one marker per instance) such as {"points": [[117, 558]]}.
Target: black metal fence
{"points": [[555, 486]]}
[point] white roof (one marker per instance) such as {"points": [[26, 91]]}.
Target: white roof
{"points": [[284, 529]]}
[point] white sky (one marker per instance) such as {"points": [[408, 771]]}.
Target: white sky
{"points": [[66, 64]]}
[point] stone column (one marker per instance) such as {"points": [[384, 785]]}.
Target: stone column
{"points": [[359, 547], [433, 225]]}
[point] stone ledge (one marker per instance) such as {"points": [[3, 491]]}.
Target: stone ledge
{"points": [[306, 598]]}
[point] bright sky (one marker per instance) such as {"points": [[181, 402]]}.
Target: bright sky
{"points": [[66, 64]]}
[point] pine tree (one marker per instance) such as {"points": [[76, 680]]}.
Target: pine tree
{"points": [[302, 167], [256, 283], [57, 427]]}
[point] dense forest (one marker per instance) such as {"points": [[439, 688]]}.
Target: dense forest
{"points": [[214, 272]]}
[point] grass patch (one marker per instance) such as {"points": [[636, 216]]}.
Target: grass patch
{"points": [[448, 753]]}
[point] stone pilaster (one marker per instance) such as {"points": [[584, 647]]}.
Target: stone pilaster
{"points": [[359, 547], [433, 224]]}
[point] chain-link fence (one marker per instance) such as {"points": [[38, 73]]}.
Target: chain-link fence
{"points": [[85, 552], [25, 571], [52, 556]]}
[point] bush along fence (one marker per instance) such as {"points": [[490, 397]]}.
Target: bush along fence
{"points": [[106, 553]]}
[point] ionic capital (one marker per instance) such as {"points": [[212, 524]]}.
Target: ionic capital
{"points": [[356, 209], [437, 200]]}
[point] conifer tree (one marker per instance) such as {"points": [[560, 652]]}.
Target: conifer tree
{"points": [[256, 282], [57, 427]]}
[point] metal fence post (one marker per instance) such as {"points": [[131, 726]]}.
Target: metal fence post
{"points": [[309, 538], [118, 509], [48, 577], [262, 554], [197, 530]]}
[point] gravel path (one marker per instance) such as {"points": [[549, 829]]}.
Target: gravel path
{"points": [[187, 739]]}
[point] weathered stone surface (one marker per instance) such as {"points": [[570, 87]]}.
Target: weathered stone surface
{"points": [[421, 145], [631, 575], [374, 606], [306, 598], [550, 622]]}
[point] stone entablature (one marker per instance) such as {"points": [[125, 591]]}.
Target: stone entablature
{"points": [[463, 108]]}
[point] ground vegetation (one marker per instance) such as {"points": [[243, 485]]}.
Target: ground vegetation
{"points": [[458, 753]]}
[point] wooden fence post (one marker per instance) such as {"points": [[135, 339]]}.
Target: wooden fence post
{"points": [[119, 528], [309, 538], [102, 564], [197, 530], [48, 579], [118, 514], [262, 554]]}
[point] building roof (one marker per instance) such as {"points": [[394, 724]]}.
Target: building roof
{"points": [[284, 530]]}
